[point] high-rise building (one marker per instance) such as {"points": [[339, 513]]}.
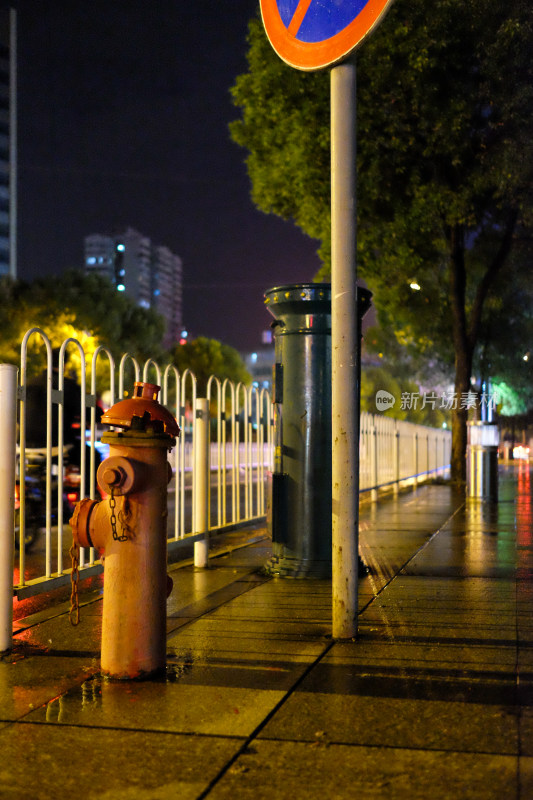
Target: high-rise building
{"points": [[8, 142], [151, 275]]}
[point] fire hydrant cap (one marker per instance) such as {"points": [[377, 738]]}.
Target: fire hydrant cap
{"points": [[79, 521], [142, 406]]}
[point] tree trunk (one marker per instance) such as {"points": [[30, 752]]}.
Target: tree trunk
{"points": [[465, 335], [463, 370], [463, 355]]}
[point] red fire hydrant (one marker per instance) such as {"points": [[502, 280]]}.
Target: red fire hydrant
{"points": [[130, 527]]}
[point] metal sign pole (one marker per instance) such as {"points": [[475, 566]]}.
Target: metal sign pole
{"points": [[344, 345], [310, 35]]}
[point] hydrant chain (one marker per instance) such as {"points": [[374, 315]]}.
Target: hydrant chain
{"points": [[113, 519], [74, 613]]}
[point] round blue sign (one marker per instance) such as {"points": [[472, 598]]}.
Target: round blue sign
{"points": [[321, 20], [311, 34]]}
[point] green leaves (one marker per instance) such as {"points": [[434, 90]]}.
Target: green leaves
{"points": [[445, 101], [206, 357], [84, 306], [285, 129], [444, 166]]}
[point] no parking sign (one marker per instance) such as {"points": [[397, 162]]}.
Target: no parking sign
{"points": [[312, 34]]}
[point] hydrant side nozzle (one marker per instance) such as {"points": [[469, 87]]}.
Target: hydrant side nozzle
{"points": [[80, 522], [121, 475]]}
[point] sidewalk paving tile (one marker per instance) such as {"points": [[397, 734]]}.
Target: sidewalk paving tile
{"points": [[43, 761], [170, 705], [33, 680], [312, 770], [420, 710], [433, 700]]}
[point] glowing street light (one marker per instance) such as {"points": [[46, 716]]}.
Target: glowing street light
{"points": [[414, 286]]}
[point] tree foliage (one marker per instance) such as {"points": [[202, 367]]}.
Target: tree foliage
{"points": [[205, 357], [375, 378], [285, 128], [445, 169], [78, 305]]}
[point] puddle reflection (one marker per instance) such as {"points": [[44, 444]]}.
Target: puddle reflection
{"points": [[104, 695]]}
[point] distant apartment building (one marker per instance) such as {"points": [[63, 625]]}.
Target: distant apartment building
{"points": [[260, 364], [8, 141], [149, 274]]}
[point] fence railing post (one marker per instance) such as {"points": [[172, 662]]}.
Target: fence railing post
{"points": [[375, 465], [415, 455], [8, 456], [201, 482], [396, 456]]}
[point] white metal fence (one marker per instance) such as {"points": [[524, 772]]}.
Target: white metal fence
{"points": [[214, 485], [393, 452], [231, 476]]}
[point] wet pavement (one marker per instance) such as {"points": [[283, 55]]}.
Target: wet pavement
{"points": [[433, 700]]}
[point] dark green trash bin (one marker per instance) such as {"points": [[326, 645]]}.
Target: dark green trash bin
{"points": [[300, 502]]}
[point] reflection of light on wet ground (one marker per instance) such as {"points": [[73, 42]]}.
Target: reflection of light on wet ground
{"points": [[479, 518], [523, 505], [26, 637], [93, 693], [88, 697], [32, 605], [374, 569], [381, 570]]}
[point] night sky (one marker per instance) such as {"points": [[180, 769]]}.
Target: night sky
{"points": [[123, 120]]}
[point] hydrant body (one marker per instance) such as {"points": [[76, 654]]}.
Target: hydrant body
{"points": [[130, 527]]}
